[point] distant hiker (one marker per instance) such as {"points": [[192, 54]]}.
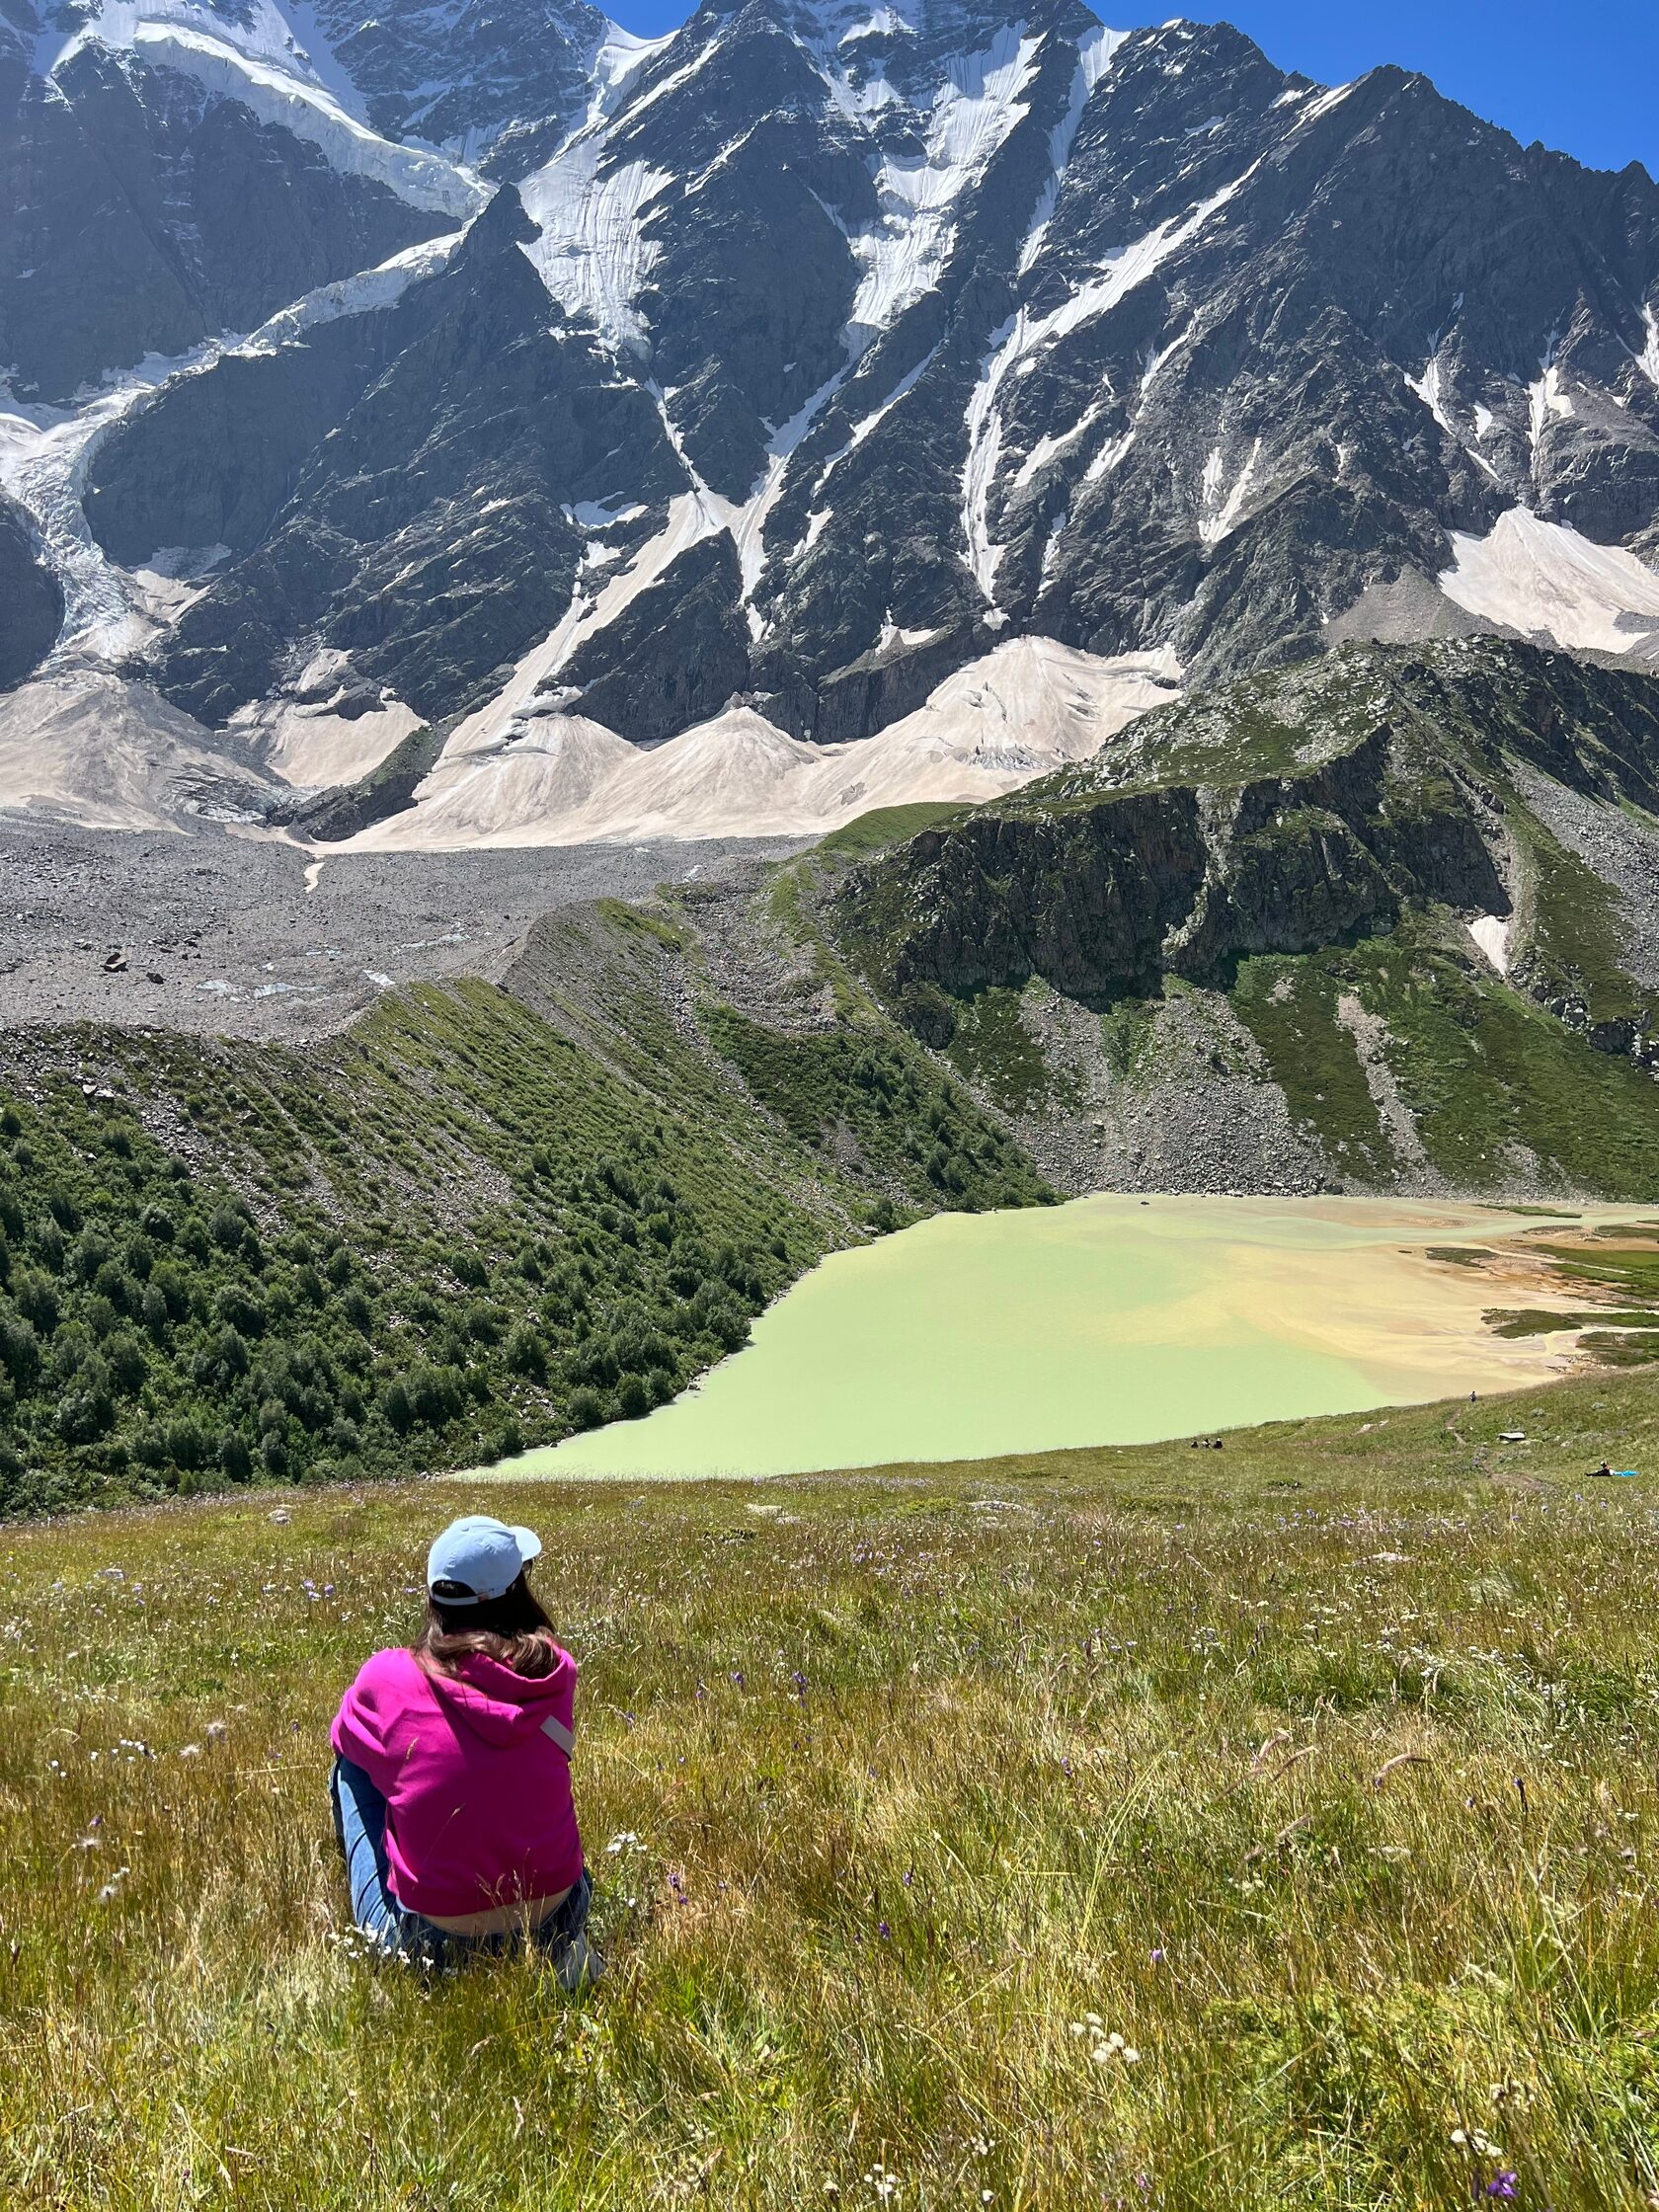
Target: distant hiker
{"points": [[1604, 1468], [451, 1783]]}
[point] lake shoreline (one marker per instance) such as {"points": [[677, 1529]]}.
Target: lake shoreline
{"points": [[1115, 1319]]}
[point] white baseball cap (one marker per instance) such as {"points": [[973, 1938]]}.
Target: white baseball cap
{"points": [[485, 1556]]}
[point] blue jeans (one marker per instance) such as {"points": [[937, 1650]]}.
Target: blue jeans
{"points": [[359, 1828]]}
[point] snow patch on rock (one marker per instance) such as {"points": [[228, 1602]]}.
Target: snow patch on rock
{"points": [[508, 797], [365, 294], [1545, 581], [593, 253], [1025, 335], [497, 725], [1219, 514], [971, 115], [256, 57], [1094, 58], [1491, 937], [1648, 361], [44, 453], [1428, 389], [310, 746]]}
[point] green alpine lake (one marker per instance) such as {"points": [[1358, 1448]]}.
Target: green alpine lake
{"points": [[1113, 1319]]}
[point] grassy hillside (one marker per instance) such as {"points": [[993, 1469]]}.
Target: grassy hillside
{"points": [[480, 1218], [1319, 1771], [1480, 1070]]}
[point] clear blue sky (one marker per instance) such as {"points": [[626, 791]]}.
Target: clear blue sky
{"points": [[1579, 74]]}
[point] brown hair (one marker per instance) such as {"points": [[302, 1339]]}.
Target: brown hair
{"points": [[512, 1629]]}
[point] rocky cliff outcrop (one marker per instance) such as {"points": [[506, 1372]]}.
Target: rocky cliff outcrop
{"points": [[1175, 855], [1104, 897], [31, 602]]}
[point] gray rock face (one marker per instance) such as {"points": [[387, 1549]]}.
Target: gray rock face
{"points": [[30, 600], [428, 533], [684, 634], [499, 81], [139, 214]]}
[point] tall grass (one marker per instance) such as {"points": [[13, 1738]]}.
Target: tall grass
{"points": [[1266, 1828]]}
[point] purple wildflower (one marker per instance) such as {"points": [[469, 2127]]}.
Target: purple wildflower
{"points": [[1505, 2183], [883, 1931], [1157, 1957]]}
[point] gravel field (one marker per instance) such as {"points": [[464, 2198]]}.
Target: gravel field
{"points": [[246, 937]]}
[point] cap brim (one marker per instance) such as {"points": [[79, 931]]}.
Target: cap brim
{"points": [[529, 1544]]}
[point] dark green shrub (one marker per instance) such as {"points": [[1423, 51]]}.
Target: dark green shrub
{"points": [[240, 1308], [20, 1350], [189, 1445], [127, 1364], [88, 1254], [587, 1410], [64, 1211], [527, 1354], [483, 1323], [36, 1299], [114, 1283], [153, 1311], [85, 1413], [230, 1354]]}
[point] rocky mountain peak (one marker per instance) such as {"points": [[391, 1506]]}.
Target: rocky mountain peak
{"points": [[806, 356]]}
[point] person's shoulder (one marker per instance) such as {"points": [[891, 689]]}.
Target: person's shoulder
{"points": [[395, 1671]]}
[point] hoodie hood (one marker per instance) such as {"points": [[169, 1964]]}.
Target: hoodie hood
{"points": [[500, 1706]]}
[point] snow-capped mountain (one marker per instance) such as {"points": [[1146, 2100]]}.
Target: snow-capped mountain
{"points": [[515, 374]]}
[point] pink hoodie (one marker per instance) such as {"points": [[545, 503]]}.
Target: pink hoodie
{"points": [[478, 1795]]}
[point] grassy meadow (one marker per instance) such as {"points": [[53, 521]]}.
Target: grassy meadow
{"points": [[1276, 1826]]}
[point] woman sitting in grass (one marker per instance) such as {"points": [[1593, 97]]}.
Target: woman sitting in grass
{"points": [[451, 1782]]}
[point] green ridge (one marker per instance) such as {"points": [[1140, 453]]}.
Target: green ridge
{"points": [[469, 1224]]}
